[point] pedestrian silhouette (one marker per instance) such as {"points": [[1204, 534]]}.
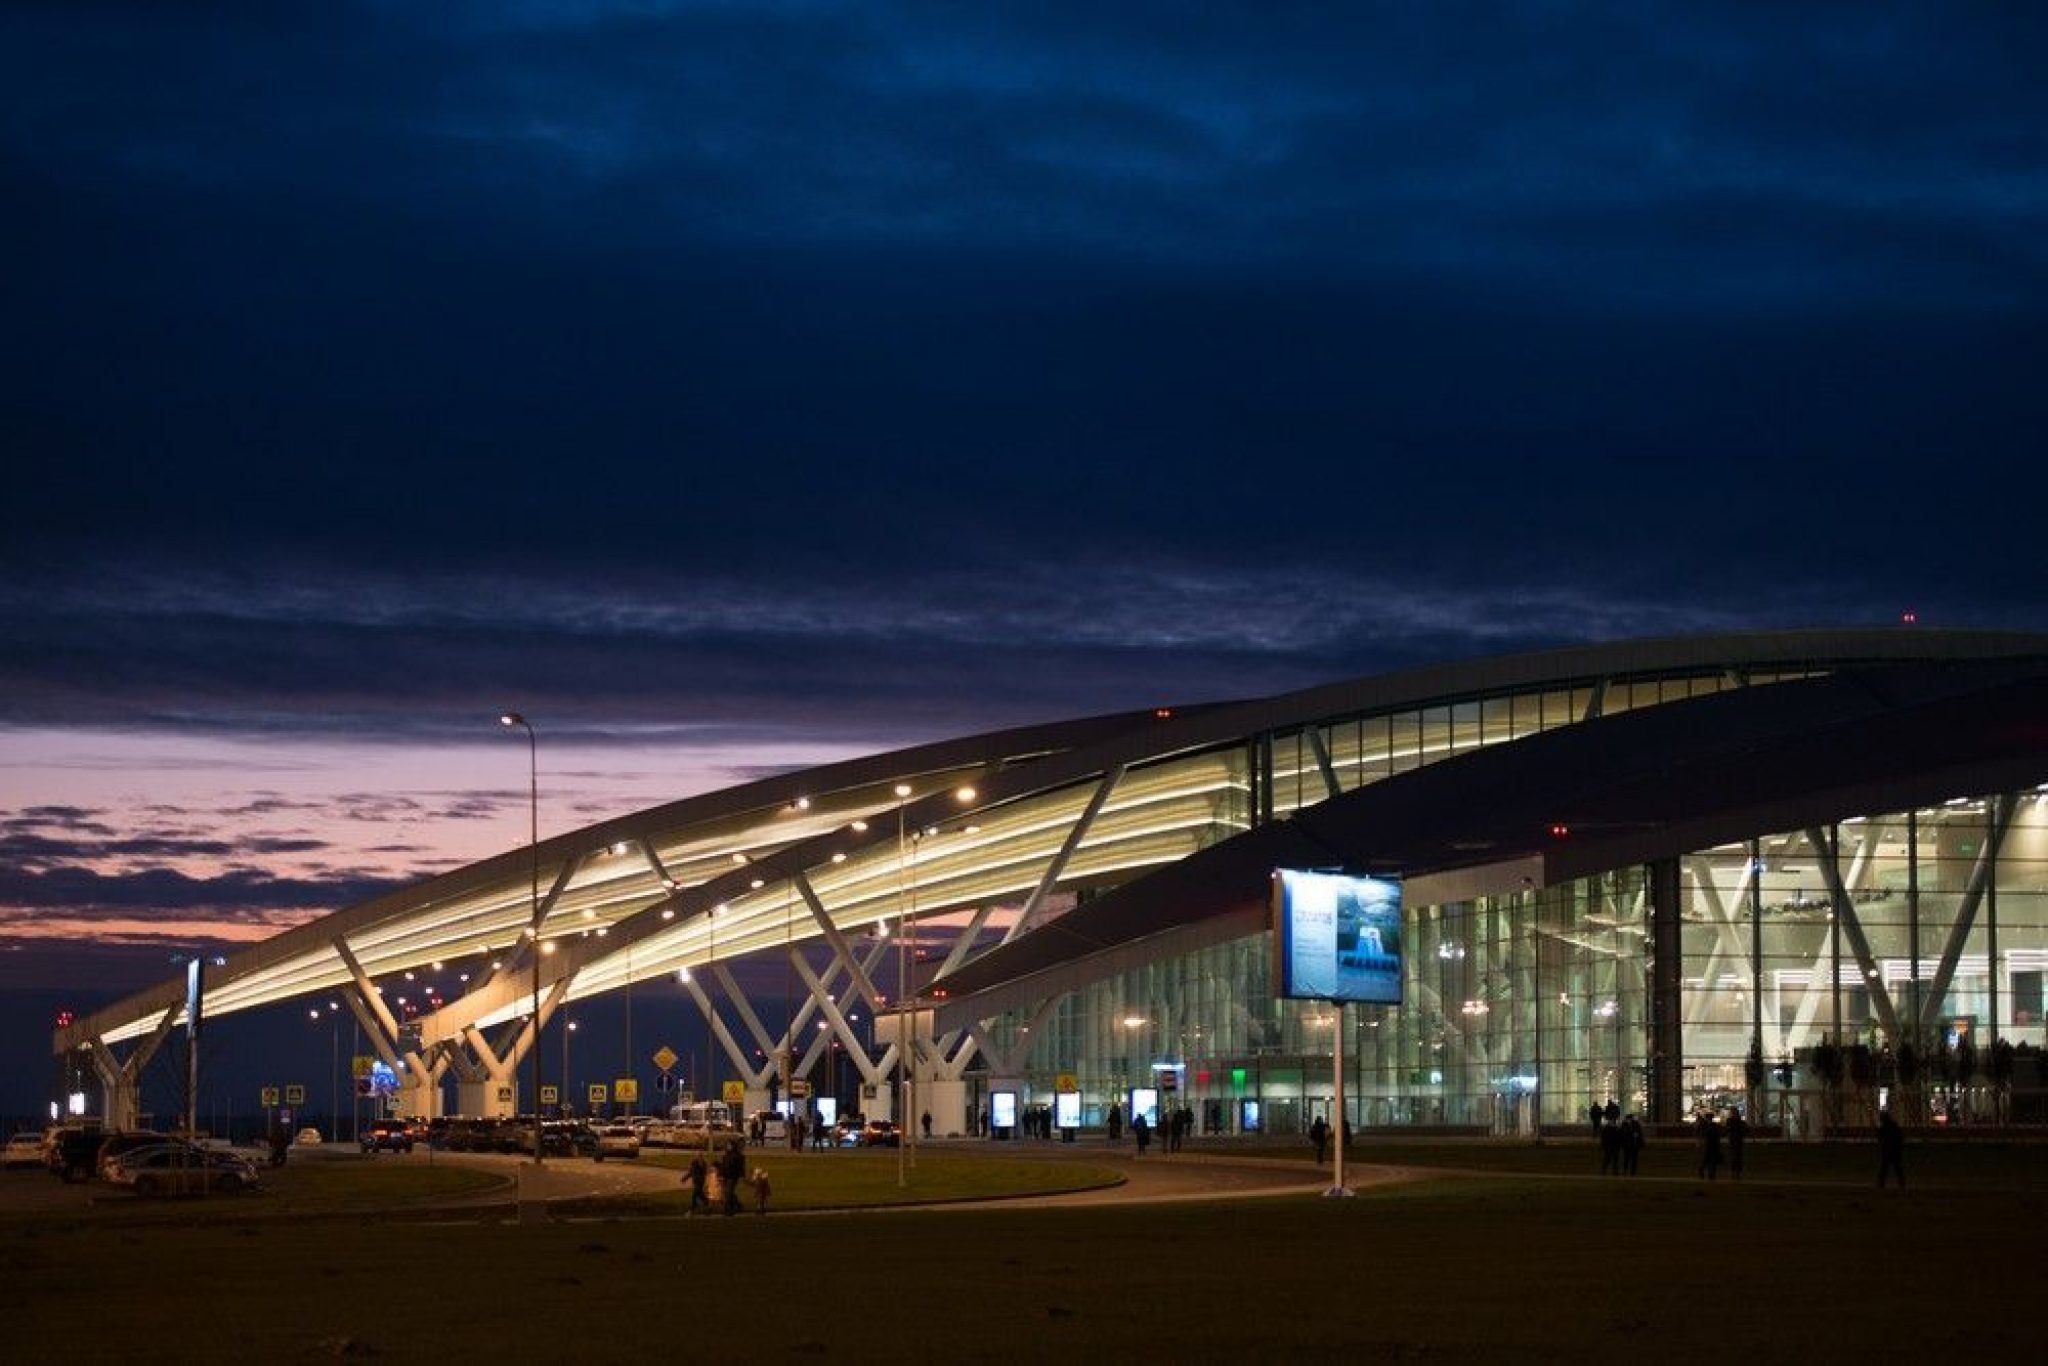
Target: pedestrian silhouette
{"points": [[1891, 1149], [1631, 1143]]}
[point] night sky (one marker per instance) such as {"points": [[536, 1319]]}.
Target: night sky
{"points": [[736, 386]]}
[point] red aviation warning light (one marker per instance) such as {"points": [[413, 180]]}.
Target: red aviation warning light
{"points": [[1559, 830], [66, 1018]]}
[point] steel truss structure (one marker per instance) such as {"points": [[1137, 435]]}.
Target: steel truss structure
{"points": [[1044, 859]]}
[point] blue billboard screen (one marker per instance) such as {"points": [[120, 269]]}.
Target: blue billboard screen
{"points": [[1337, 937]]}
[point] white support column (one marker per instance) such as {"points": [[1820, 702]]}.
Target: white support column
{"points": [[2002, 808], [1321, 749], [1852, 930], [813, 1001], [841, 952], [1050, 878], [1727, 937], [733, 1052]]}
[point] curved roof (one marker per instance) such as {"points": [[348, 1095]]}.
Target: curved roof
{"points": [[1607, 793], [1094, 802]]}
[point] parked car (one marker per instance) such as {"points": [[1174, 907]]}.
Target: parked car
{"points": [[474, 1135], [25, 1149], [122, 1141], [387, 1135], [880, 1133], [307, 1138], [180, 1169], [617, 1140], [71, 1150]]}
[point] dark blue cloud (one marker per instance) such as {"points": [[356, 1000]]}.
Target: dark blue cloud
{"points": [[759, 364]]}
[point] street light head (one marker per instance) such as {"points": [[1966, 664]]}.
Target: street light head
{"points": [[511, 718], [903, 789]]}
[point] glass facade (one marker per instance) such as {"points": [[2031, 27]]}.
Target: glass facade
{"points": [[1914, 941]]}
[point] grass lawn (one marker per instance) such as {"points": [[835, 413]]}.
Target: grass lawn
{"points": [[1490, 1268], [862, 1179]]}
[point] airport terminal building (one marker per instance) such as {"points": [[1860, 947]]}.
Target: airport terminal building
{"points": [[1802, 873]]}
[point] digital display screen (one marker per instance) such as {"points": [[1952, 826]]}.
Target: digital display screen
{"points": [[1066, 1110], [1002, 1110], [1336, 937], [1145, 1101]]}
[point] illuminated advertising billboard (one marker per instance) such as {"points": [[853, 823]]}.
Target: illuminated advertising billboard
{"points": [[1336, 937]]}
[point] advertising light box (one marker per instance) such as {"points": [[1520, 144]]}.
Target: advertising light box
{"points": [[1336, 937]]}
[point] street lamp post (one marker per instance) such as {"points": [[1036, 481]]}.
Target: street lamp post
{"points": [[333, 1064], [513, 718], [903, 1084], [568, 1028]]}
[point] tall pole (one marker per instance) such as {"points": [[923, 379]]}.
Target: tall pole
{"points": [[513, 718], [568, 1029], [904, 1120], [1337, 1086]]}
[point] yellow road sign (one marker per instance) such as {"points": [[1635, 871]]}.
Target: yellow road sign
{"points": [[597, 1093], [735, 1093], [627, 1089], [665, 1058], [270, 1095], [1066, 1081]]}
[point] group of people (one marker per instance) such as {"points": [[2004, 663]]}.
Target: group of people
{"points": [[733, 1176], [1621, 1139], [1713, 1131], [1173, 1129]]}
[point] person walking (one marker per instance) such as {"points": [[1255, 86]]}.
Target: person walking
{"points": [[732, 1170], [1610, 1149], [1738, 1129], [700, 1172], [1631, 1143], [1710, 1145], [1891, 1149], [1319, 1134], [1141, 1133], [926, 1121], [1116, 1122]]}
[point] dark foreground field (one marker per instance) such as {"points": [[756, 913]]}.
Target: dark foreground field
{"points": [[1500, 1267]]}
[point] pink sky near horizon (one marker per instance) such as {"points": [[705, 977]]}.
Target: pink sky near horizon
{"points": [[377, 809]]}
